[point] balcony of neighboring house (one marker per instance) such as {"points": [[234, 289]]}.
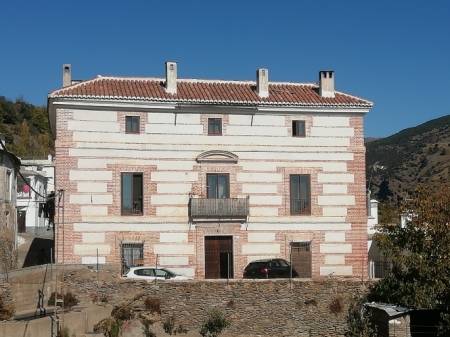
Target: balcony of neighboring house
{"points": [[23, 190], [224, 208]]}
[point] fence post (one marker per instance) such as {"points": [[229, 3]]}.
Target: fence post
{"points": [[156, 270], [228, 269], [98, 271], [290, 262]]}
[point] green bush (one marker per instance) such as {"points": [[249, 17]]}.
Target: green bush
{"points": [[214, 324]]}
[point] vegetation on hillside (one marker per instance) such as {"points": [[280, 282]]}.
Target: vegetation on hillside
{"points": [[420, 252], [418, 155], [26, 128]]}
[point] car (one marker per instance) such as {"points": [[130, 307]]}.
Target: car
{"points": [[269, 268], [152, 273]]}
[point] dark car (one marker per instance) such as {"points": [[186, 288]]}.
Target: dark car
{"points": [[269, 268]]}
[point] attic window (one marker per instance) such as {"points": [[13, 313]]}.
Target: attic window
{"points": [[132, 124], [298, 129], [214, 126]]}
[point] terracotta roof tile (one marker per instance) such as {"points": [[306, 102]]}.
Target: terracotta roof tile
{"points": [[205, 91]]}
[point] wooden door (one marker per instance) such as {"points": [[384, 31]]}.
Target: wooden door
{"points": [[302, 258], [21, 217], [218, 257]]}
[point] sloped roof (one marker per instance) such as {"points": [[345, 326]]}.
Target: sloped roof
{"points": [[205, 92]]}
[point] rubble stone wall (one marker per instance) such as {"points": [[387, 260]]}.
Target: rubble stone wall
{"points": [[278, 307]]}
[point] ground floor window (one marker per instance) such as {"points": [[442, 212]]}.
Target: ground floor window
{"points": [[132, 255]]}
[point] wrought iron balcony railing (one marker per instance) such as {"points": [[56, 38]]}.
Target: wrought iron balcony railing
{"points": [[220, 208]]}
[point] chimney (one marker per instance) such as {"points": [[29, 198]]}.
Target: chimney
{"points": [[262, 83], [171, 77], [3, 143], [67, 75], [326, 83]]}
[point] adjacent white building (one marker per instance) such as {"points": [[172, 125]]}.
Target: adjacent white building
{"points": [[34, 185]]}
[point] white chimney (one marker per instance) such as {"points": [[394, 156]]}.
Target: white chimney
{"points": [[326, 83], [171, 77], [3, 142], [67, 75], [262, 83]]}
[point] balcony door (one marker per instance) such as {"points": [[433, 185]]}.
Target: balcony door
{"points": [[217, 186]]}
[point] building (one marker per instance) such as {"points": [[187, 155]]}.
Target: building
{"points": [[203, 176], [9, 165], [38, 174]]}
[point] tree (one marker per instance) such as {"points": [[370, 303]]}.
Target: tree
{"points": [[420, 252], [24, 140]]}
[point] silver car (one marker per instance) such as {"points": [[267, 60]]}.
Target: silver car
{"points": [[152, 273]]}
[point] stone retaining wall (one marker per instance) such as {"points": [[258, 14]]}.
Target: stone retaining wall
{"points": [[255, 307]]}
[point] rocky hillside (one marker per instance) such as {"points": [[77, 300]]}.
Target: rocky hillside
{"points": [[418, 155]]}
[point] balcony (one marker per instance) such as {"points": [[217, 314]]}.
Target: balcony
{"points": [[225, 209]]}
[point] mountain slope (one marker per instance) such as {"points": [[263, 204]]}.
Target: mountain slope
{"points": [[26, 129], [418, 155]]}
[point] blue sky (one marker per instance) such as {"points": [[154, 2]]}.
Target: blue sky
{"points": [[394, 53]]}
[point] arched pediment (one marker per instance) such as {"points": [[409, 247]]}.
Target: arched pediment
{"points": [[217, 156]]}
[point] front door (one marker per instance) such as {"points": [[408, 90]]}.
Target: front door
{"points": [[21, 217], [218, 257]]}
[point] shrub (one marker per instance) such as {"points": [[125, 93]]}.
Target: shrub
{"points": [[122, 312], [335, 306], [65, 332], [6, 309], [214, 324], [69, 300], [169, 324], [359, 319], [146, 323], [103, 298], [110, 327], [153, 305]]}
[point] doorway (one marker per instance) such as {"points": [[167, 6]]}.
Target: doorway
{"points": [[21, 217], [302, 258], [219, 257]]}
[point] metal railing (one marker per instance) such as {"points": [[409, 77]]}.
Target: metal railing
{"points": [[300, 206], [230, 207], [379, 269]]}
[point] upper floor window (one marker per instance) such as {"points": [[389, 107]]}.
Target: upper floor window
{"points": [[132, 194], [300, 194], [215, 126], [132, 124], [217, 186], [298, 129]]}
